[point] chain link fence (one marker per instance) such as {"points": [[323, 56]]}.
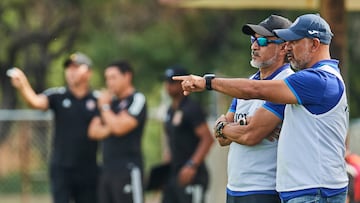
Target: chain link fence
{"points": [[24, 151]]}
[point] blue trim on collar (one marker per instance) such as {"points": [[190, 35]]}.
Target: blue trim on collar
{"points": [[256, 76]]}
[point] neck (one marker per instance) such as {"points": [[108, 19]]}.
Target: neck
{"points": [[322, 54], [176, 101], [266, 72], [79, 91], [127, 92]]}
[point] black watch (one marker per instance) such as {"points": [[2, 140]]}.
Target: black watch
{"points": [[208, 78]]}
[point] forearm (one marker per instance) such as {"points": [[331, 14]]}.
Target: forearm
{"points": [[99, 132], [242, 134], [32, 99], [204, 144], [236, 87], [120, 124]]}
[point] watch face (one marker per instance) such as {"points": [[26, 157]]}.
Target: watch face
{"points": [[208, 78]]}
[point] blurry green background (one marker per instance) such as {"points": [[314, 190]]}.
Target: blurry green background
{"points": [[37, 36]]}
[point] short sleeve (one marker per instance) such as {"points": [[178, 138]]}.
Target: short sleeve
{"points": [[307, 85], [232, 107], [137, 108], [53, 94], [277, 109]]}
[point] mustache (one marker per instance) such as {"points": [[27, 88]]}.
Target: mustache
{"points": [[290, 54], [254, 53]]}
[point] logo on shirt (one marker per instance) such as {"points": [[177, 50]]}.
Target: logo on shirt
{"points": [[178, 115], [123, 104], [66, 103], [90, 104]]}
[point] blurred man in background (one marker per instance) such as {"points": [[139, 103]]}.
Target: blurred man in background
{"points": [[120, 124], [189, 140], [73, 167]]}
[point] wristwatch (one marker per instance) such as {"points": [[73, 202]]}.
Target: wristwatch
{"points": [[219, 129], [105, 107], [208, 78]]}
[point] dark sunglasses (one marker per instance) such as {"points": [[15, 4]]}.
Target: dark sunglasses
{"points": [[263, 42]]}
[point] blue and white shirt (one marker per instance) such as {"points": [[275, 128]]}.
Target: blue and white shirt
{"points": [[252, 169], [312, 140]]}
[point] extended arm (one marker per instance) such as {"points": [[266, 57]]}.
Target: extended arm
{"points": [[270, 90], [21, 83]]}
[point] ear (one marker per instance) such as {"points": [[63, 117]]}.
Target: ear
{"points": [[315, 44], [283, 48]]}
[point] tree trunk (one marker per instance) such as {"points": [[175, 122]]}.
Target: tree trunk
{"points": [[333, 11]]}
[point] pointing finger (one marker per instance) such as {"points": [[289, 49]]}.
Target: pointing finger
{"points": [[183, 77]]}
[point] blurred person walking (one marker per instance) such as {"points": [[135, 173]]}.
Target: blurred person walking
{"points": [[120, 124], [189, 140], [73, 167]]}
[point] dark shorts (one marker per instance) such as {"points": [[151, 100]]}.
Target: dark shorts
{"points": [[75, 183], [124, 187], [258, 198]]}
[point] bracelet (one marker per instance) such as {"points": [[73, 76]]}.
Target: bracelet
{"points": [[190, 163], [105, 107], [219, 129]]}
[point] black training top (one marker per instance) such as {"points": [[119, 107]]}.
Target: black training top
{"points": [[119, 152], [71, 145], [180, 127]]}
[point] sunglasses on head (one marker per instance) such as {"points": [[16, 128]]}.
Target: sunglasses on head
{"points": [[263, 41]]}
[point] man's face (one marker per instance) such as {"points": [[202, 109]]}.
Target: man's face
{"points": [[299, 53], [264, 56], [116, 81], [77, 74], [173, 88]]}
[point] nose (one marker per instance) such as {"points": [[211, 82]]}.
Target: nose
{"points": [[254, 45], [288, 46]]}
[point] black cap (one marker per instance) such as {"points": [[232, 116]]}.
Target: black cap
{"points": [[266, 27], [78, 58], [174, 70]]}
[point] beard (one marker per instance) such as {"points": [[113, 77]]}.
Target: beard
{"points": [[299, 63], [262, 64]]}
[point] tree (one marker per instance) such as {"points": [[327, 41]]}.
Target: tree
{"points": [[33, 33]]}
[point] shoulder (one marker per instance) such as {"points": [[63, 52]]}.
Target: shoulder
{"points": [[138, 104], [55, 91], [191, 106], [95, 93], [308, 76]]}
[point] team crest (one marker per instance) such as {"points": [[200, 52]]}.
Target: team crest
{"points": [[123, 104], [90, 104], [66, 103]]}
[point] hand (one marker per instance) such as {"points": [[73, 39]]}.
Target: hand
{"points": [[97, 130], [105, 98], [274, 135], [221, 118], [223, 141], [191, 83], [186, 175], [18, 78]]}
